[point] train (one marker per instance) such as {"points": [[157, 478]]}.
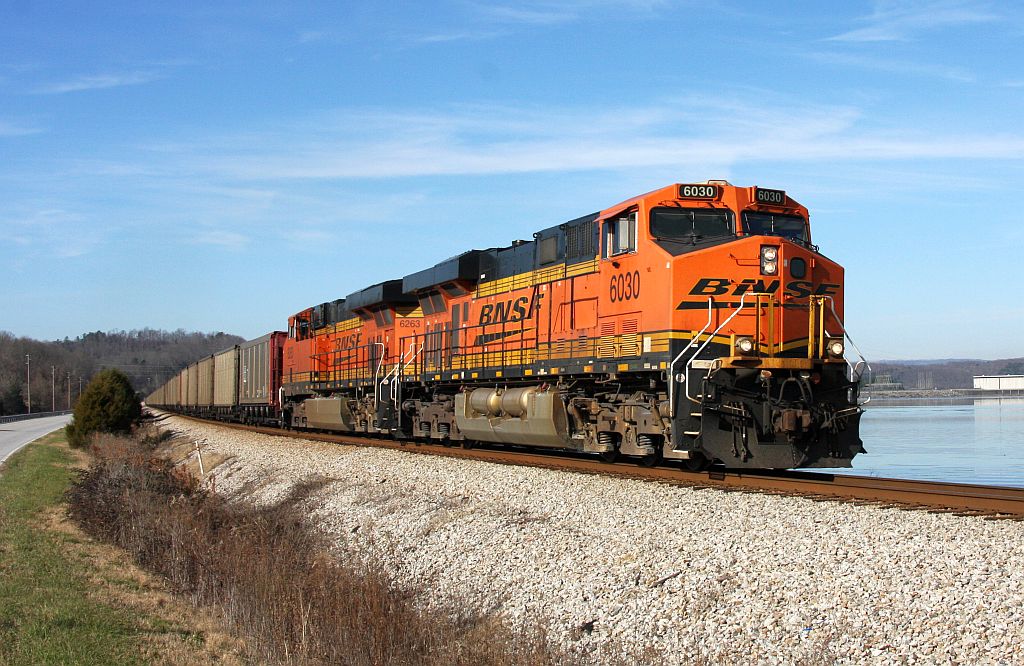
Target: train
{"points": [[696, 324]]}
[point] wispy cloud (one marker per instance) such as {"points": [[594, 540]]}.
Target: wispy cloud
{"points": [[896, 66], [308, 237], [489, 21], [550, 12], [226, 239], [98, 82], [310, 36], [464, 36], [899, 20], [11, 129], [51, 232], [543, 14], [712, 134]]}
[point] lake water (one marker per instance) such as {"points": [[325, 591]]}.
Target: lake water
{"points": [[966, 440]]}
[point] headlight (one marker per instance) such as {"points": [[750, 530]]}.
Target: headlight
{"points": [[836, 348], [744, 345], [769, 260]]}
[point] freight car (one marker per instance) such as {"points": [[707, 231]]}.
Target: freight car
{"points": [[241, 383], [697, 323]]}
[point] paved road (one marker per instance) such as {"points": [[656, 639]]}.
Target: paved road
{"points": [[15, 435]]}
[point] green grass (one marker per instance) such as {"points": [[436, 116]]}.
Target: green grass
{"points": [[46, 614]]}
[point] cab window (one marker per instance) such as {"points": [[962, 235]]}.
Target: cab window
{"points": [[691, 224], [793, 227], [620, 235]]}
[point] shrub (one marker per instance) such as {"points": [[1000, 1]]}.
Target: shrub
{"points": [[274, 579], [108, 404]]}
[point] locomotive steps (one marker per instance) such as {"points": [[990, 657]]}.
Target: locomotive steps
{"points": [[676, 571]]}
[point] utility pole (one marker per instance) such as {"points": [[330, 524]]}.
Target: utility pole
{"points": [[69, 391], [79, 386], [28, 380], [53, 387]]}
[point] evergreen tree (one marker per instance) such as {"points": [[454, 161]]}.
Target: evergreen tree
{"points": [[108, 404]]}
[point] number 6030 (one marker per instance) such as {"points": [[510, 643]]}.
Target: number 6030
{"points": [[625, 287]]}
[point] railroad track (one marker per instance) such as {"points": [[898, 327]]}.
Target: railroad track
{"points": [[993, 502]]}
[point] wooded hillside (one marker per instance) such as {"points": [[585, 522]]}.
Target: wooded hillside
{"points": [[945, 374], [149, 358]]}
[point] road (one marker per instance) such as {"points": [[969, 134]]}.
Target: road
{"points": [[15, 435]]}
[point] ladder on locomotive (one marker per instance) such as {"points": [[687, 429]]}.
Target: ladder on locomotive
{"points": [[388, 388], [694, 359], [855, 371]]}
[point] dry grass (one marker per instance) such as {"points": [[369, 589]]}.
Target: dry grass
{"points": [[273, 579], [177, 633], [66, 599], [182, 634]]}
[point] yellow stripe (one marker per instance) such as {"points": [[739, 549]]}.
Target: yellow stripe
{"points": [[532, 278], [348, 324], [609, 347]]}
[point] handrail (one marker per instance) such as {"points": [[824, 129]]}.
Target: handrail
{"points": [[743, 298], [399, 369], [672, 365], [854, 375], [376, 373], [846, 334], [401, 363]]}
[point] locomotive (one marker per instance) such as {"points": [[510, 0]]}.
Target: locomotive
{"points": [[695, 323]]}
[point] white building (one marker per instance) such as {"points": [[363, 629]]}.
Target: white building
{"points": [[999, 382]]}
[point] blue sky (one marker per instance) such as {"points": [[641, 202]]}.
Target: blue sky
{"points": [[218, 168]]}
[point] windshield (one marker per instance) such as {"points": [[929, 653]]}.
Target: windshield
{"points": [[691, 224], [769, 224]]}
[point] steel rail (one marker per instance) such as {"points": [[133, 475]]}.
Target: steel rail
{"points": [[935, 496]]}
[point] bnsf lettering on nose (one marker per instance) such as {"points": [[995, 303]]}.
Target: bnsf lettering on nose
{"points": [[794, 289], [508, 311]]}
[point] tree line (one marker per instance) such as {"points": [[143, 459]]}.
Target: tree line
{"points": [[945, 374], [55, 372]]}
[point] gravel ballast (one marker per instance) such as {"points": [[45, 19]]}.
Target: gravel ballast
{"points": [[646, 569]]}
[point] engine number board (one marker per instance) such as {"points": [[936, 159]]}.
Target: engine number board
{"points": [[698, 191], [772, 197]]}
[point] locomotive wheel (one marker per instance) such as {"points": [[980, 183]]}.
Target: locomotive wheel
{"points": [[609, 456], [467, 443], [649, 461], [697, 462]]}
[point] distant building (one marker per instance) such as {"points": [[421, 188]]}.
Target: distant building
{"points": [[999, 382], [883, 383]]}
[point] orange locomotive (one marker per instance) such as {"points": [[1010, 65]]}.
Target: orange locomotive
{"points": [[696, 322]]}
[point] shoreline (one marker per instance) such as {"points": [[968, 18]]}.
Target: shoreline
{"points": [[909, 395]]}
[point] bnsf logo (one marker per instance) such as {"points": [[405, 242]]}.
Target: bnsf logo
{"points": [[348, 341], [509, 311], [794, 289]]}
